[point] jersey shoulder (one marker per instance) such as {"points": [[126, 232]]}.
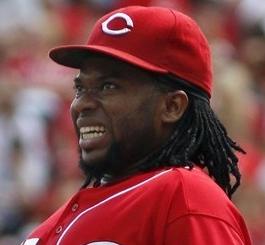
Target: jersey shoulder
{"points": [[195, 193]]}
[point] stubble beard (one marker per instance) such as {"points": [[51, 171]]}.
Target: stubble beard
{"points": [[124, 155], [110, 165]]}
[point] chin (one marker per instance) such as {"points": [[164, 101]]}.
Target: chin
{"points": [[95, 158], [100, 162], [92, 168], [93, 163]]}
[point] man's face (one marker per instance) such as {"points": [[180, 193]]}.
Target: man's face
{"points": [[116, 116]]}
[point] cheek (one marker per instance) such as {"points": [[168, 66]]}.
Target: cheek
{"points": [[133, 123], [137, 136], [73, 113], [74, 116], [136, 113]]}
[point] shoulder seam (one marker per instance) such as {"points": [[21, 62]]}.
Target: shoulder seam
{"points": [[184, 193]]}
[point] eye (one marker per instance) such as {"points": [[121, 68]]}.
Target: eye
{"points": [[78, 88], [108, 86]]}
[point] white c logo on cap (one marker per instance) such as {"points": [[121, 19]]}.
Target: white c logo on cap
{"points": [[126, 17]]}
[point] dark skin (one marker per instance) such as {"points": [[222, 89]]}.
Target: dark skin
{"points": [[134, 117]]}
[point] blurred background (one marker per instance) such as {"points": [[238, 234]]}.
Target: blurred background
{"points": [[38, 151]]}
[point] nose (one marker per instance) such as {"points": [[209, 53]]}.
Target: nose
{"points": [[83, 103]]}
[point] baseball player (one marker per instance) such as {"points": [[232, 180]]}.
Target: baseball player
{"points": [[159, 165]]}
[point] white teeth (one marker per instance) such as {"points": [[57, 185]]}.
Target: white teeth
{"points": [[91, 135], [92, 132], [90, 129]]}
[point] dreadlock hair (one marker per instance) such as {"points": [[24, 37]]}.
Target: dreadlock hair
{"points": [[199, 138]]}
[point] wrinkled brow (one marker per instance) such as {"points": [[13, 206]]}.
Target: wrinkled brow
{"points": [[112, 75]]}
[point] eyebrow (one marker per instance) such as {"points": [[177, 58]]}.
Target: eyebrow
{"points": [[77, 79]]}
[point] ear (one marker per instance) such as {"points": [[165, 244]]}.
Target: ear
{"points": [[175, 104]]}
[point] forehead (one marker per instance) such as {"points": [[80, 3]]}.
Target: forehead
{"points": [[102, 66]]}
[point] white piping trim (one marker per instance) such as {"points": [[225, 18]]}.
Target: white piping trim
{"points": [[32, 241], [108, 199]]}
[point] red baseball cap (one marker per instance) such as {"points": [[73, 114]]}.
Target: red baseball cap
{"points": [[156, 39]]}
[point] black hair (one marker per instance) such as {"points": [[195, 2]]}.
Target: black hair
{"points": [[199, 138]]}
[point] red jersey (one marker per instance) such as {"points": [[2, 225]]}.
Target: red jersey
{"points": [[162, 207]]}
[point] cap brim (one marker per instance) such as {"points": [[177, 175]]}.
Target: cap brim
{"points": [[74, 56]]}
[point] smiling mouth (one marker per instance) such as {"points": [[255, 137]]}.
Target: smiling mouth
{"points": [[92, 132]]}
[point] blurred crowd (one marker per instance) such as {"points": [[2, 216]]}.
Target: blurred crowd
{"points": [[38, 147]]}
